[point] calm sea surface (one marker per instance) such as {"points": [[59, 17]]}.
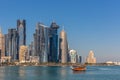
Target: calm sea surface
{"points": [[59, 73]]}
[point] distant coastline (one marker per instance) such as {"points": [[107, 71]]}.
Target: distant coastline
{"points": [[39, 64], [53, 64]]}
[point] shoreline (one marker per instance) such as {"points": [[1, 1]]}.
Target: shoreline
{"points": [[54, 64], [40, 64]]}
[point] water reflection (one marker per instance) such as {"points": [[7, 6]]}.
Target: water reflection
{"points": [[57, 73], [63, 72], [9, 73], [35, 73], [21, 72], [79, 72]]}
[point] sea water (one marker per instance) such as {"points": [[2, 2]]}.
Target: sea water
{"points": [[59, 73]]}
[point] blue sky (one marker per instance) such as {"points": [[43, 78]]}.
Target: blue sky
{"points": [[90, 24]]}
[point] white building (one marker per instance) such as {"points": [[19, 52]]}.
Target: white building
{"points": [[91, 58], [34, 59], [73, 55]]}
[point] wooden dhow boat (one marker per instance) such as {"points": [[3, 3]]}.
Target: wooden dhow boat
{"points": [[79, 68]]}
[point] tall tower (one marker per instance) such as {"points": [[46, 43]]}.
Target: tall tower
{"points": [[2, 44], [13, 44], [6, 44], [46, 44], [30, 49], [91, 58], [53, 55], [41, 42], [63, 47], [21, 28]]}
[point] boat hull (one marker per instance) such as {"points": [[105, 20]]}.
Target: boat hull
{"points": [[79, 68]]}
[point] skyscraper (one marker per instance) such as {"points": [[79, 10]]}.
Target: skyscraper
{"points": [[6, 45], [2, 44], [41, 42], [46, 47], [53, 54], [30, 49], [13, 44], [79, 58], [91, 58], [38, 39], [21, 28], [63, 52]]}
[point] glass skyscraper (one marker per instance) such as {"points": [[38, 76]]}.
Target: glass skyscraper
{"points": [[6, 45], [30, 49], [41, 42], [53, 45], [13, 44], [21, 28], [46, 47]]}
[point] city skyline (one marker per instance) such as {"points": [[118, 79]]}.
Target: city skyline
{"points": [[90, 25]]}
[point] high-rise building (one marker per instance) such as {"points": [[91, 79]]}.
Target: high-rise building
{"points": [[63, 52], [72, 55], [46, 47], [41, 42], [53, 54], [91, 58], [2, 44], [30, 49], [13, 44], [6, 45], [35, 43], [21, 28], [79, 58]]}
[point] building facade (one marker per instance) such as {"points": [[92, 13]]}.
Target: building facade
{"points": [[23, 54], [41, 42], [21, 28], [46, 44], [2, 45], [31, 49], [6, 45], [63, 49], [53, 43], [73, 56], [91, 58], [13, 44], [79, 58]]}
